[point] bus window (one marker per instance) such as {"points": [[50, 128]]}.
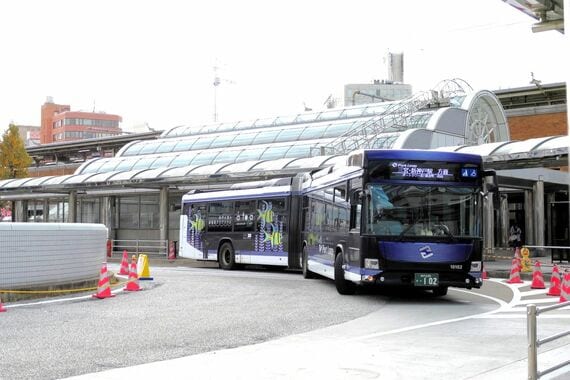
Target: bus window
{"points": [[220, 216], [245, 215]]}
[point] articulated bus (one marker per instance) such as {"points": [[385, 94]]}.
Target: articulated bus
{"points": [[410, 218]]}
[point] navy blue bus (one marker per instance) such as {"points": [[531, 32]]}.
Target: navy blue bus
{"points": [[409, 218]]}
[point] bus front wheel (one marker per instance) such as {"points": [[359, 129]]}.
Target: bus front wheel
{"points": [[440, 291], [343, 286], [227, 258]]}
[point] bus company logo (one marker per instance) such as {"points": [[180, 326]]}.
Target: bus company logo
{"points": [[426, 252]]}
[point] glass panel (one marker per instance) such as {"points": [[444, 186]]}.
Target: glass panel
{"points": [[250, 154], [305, 117], [182, 160], [143, 163], [126, 164], [134, 149], [220, 216], [149, 148], [129, 212], [202, 143], [289, 134], [109, 166], [265, 122], [226, 156], [167, 146], [285, 120], [336, 130], [204, 158], [163, 161], [89, 211], [274, 152], [222, 141], [243, 139], [184, 145], [93, 166], [265, 137], [313, 132], [149, 212], [330, 115], [299, 151]]}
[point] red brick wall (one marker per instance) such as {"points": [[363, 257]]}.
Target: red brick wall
{"points": [[531, 126]]}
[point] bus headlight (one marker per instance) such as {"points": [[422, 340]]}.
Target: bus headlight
{"points": [[371, 264], [476, 266]]}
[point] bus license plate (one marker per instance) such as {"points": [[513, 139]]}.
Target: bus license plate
{"points": [[426, 279]]}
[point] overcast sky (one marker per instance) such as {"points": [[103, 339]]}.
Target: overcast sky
{"points": [[152, 61]]}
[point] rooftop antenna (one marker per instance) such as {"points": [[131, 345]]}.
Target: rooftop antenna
{"points": [[216, 83]]}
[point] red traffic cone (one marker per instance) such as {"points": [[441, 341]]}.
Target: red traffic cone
{"points": [[514, 277], [537, 277], [124, 263], [2, 308], [133, 283], [485, 275], [565, 288], [103, 287], [554, 282]]}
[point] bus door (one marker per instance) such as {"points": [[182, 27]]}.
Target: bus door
{"points": [[354, 234]]}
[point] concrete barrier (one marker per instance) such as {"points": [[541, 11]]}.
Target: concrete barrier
{"points": [[50, 254]]}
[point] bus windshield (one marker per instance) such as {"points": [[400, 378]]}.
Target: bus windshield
{"points": [[417, 211]]}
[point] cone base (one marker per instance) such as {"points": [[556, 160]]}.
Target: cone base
{"points": [[132, 290], [537, 287], [125, 273], [518, 281], [554, 294], [98, 296], [2, 309]]}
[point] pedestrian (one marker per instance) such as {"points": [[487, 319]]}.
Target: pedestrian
{"points": [[515, 239]]}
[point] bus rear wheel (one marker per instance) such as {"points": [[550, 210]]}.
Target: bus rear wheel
{"points": [[227, 257], [305, 264], [343, 286]]}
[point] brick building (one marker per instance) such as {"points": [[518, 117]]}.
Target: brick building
{"points": [[60, 124]]}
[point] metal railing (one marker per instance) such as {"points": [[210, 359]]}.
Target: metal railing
{"points": [[135, 247], [533, 341]]}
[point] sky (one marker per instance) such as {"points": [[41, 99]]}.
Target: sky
{"points": [[152, 62]]}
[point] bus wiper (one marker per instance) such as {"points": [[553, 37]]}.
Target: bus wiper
{"points": [[416, 221]]}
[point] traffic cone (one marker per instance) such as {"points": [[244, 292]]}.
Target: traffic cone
{"points": [[133, 283], [125, 263], [554, 282], [537, 277], [485, 275], [144, 270], [2, 308], [514, 277], [565, 288], [103, 287]]}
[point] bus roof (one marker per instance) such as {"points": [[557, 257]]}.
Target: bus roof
{"points": [[358, 158], [221, 195]]}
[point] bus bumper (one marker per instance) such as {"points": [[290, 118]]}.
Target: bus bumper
{"points": [[406, 279]]}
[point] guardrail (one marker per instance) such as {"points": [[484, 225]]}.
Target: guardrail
{"points": [[533, 341], [557, 253], [148, 247]]}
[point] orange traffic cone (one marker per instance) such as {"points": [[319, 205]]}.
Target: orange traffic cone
{"points": [[537, 277], [565, 288], [133, 283], [125, 263], [554, 282], [514, 277], [103, 287], [2, 308]]}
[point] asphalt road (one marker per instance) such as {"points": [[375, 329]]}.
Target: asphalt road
{"points": [[192, 311]]}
